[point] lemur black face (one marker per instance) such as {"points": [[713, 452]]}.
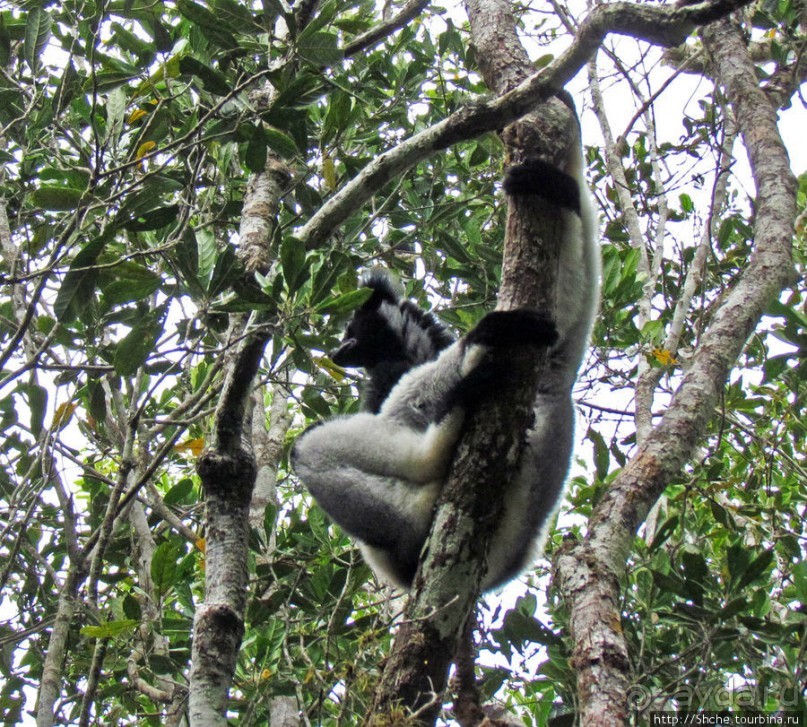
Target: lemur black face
{"points": [[368, 341]]}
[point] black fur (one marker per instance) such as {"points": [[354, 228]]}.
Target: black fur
{"points": [[535, 176], [501, 332], [502, 329]]}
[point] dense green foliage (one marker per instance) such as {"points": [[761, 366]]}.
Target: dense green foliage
{"points": [[127, 136]]}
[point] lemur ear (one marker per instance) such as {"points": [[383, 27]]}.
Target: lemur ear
{"points": [[385, 289]]}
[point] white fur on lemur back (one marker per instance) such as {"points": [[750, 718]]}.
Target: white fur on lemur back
{"points": [[578, 284]]}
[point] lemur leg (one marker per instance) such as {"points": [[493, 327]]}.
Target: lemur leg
{"points": [[384, 512], [379, 446]]}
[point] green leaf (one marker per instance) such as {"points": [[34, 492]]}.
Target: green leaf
{"points": [[304, 89], [212, 81], [196, 13], [151, 197], [207, 253], [344, 303], [663, 532], [132, 608], [224, 272], [292, 260], [669, 583], [336, 118], [211, 25], [130, 42], [110, 629], [69, 86], [37, 402], [611, 270], [686, 203], [800, 580], [237, 16], [602, 457], [164, 567], [320, 48], [153, 220], [733, 607], [737, 559], [161, 664], [78, 285], [37, 33], [324, 15], [721, 515], [755, 569], [135, 282], [5, 42], [115, 113], [520, 628], [179, 492], [133, 350], [281, 143], [57, 198], [255, 152]]}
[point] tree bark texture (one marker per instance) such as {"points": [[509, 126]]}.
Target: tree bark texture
{"points": [[227, 470], [57, 646], [587, 573]]}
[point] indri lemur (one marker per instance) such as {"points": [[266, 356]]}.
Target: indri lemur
{"points": [[378, 473]]}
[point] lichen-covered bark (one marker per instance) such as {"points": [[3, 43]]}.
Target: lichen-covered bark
{"points": [[258, 217], [227, 470]]}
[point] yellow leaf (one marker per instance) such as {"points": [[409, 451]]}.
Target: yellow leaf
{"points": [[201, 544], [329, 173], [145, 148], [194, 446], [664, 357], [334, 371], [135, 115], [169, 69], [63, 414]]}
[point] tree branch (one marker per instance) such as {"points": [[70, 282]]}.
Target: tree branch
{"points": [[408, 12], [228, 470]]}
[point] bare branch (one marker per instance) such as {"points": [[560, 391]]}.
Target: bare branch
{"points": [[383, 30]]}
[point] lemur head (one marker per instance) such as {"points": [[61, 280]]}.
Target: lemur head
{"points": [[369, 336], [388, 328]]}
